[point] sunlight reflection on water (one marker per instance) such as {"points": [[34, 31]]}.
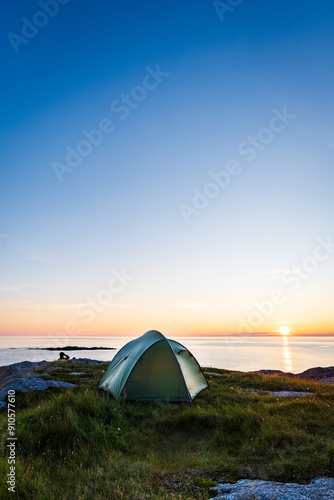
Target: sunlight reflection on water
{"points": [[235, 352], [287, 356]]}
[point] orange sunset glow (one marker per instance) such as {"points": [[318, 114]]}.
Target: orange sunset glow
{"points": [[180, 186]]}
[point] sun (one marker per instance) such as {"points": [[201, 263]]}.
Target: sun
{"points": [[284, 330]]}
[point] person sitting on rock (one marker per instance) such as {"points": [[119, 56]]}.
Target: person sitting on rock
{"points": [[62, 355]]}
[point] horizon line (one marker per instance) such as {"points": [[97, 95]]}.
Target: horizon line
{"points": [[255, 334]]}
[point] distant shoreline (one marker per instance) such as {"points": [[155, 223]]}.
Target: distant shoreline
{"points": [[69, 348]]}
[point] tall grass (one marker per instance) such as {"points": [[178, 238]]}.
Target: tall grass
{"points": [[83, 444]]}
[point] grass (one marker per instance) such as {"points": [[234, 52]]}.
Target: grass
{"points": [[81, 443]]}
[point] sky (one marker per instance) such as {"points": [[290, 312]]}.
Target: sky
{"points": [[166, 165]]}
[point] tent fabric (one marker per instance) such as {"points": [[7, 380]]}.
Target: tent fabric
{"points": [[154, 368]]}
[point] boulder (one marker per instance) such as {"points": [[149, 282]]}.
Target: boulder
{"points": [[318, 489]]}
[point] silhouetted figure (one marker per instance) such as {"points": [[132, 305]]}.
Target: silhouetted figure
{"points": [[62, 355]]}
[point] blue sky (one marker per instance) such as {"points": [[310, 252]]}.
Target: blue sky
{"points": [[120, 208]]}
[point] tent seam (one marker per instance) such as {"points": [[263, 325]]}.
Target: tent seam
{"points": [[184, 380]]}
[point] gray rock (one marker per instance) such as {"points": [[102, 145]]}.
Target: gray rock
{"points": [[30, 384], [21, 377], [329, 380], [19, 371], [318, 373], [318, 489]]}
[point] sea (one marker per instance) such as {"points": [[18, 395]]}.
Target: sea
{"points": [[235, 352]]}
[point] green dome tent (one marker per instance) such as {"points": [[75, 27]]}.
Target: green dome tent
{"points": [[154, 368]]}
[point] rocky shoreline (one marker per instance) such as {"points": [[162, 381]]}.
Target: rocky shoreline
{"points": [[22, 376], [320, 374], [72, 348]]}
